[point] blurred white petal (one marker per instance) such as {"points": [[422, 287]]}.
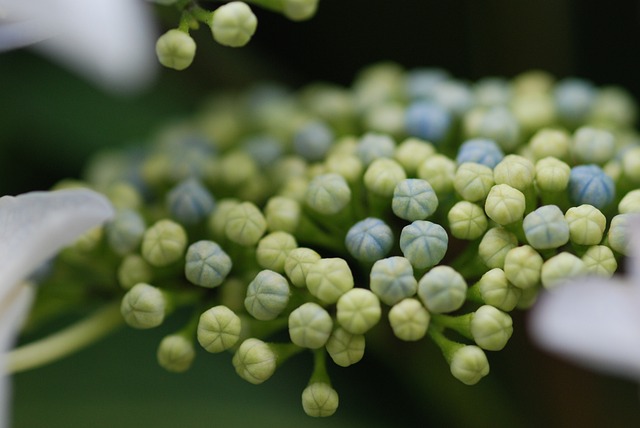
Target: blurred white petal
{"points": [[593, 321], [33, 228], [110, 42]]}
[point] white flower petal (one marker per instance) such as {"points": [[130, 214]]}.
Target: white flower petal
{"points": [[633, 264], [592, 321], [111, 42]]}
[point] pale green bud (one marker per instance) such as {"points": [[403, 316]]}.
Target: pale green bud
{"points": [[267, 295], [176, 353], [133, 270], [125, 231], [552, 175], [273, 250], [515, 171], [552, 143], [473, 181], [233, 24], [255, 361], [423, 243], [237, 169], [439, 171], [382, 176], [218, 219], [600, 260], [494, 246], [618, 235], [469, 364], [592, 145], [245, 224], [412, 152], [329, 278], [358, 310], [442, 289], [522, 266], [630, 203], [282, 213], [631, 164], [586, 224], [206, 264], [561, 267], [328, 193], [298, 263], [310, 325], [409, 320], [124, 196], [345, 348], [392, 279], [176, 49], [218, 329], [319, 400], [144, 306], [89, 240], [497, 291], [164, 243], [505, 204], [414, 199], [348, 166], [299, 10], [491, 328], [467, 220]]}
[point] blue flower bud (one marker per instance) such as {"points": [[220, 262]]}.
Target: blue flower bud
{"points": [[574, 99], [392, 279], [480, 150], [190, 202], [588, 184], [313, 141], [428, 121], [424, 243], [414, 199], [546, 228], [125, 231], [373, 146], [369, 240], [267, 295], [207, 265]]}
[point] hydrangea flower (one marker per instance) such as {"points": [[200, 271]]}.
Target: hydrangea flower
{"points": [[33, 228]]}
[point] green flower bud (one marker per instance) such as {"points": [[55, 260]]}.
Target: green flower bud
{"points": [[528, 297], [439, 171], [373, 145], [494, 246], [497, 291], [586, 224], [546, 228], [552, 175], [273, 250], [592, 145], [423, 243], [164, 243], [237, 169], [328, 194], [631, 164], [298, 263], [630, 203], [267, 295], [491, 328], [124, 196], [473, 181], [382, 176], [409, 320], [319, 400], [522, 266], [310, 325], [600, 260], [467, 220], [392, 279], [299, 10], [348, 166], [552, 143], [144, 306], [504, 204], [328, 279], [561, 267], [254, 361], [618, 235], [89, 240], [133, 270], [125, 231], [207, 265], [175, 49], [412, 152], [442, 289], [469, 364], [282, 214], [515, 171], [176, 353], [233, 24], [345, 348], [218, 219], [245, 224], [218, 329], [358, 310], [414, 199]]}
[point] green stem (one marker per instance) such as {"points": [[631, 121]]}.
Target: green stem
{"points": [[67, 341], [320, 367], [461, 324]]}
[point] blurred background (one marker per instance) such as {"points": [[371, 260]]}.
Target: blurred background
{"points": [[52, 121]]}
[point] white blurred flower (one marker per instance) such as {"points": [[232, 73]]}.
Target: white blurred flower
{"points": [[109, 42], [33, 228], [595, 321]]}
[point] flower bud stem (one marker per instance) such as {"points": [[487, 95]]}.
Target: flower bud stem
{"points": [[448, 347], [461, 324], [320, 367], [66, 341], [284, 351]]}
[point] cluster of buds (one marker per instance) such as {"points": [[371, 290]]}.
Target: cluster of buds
{"points": [[413, 206], [232, 24]]}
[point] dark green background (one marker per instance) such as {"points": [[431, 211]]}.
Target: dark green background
{"points": [[51, 122]]}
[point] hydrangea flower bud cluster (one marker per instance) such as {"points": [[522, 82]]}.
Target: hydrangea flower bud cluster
{"points": [[232, 24], [304, 222]]}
